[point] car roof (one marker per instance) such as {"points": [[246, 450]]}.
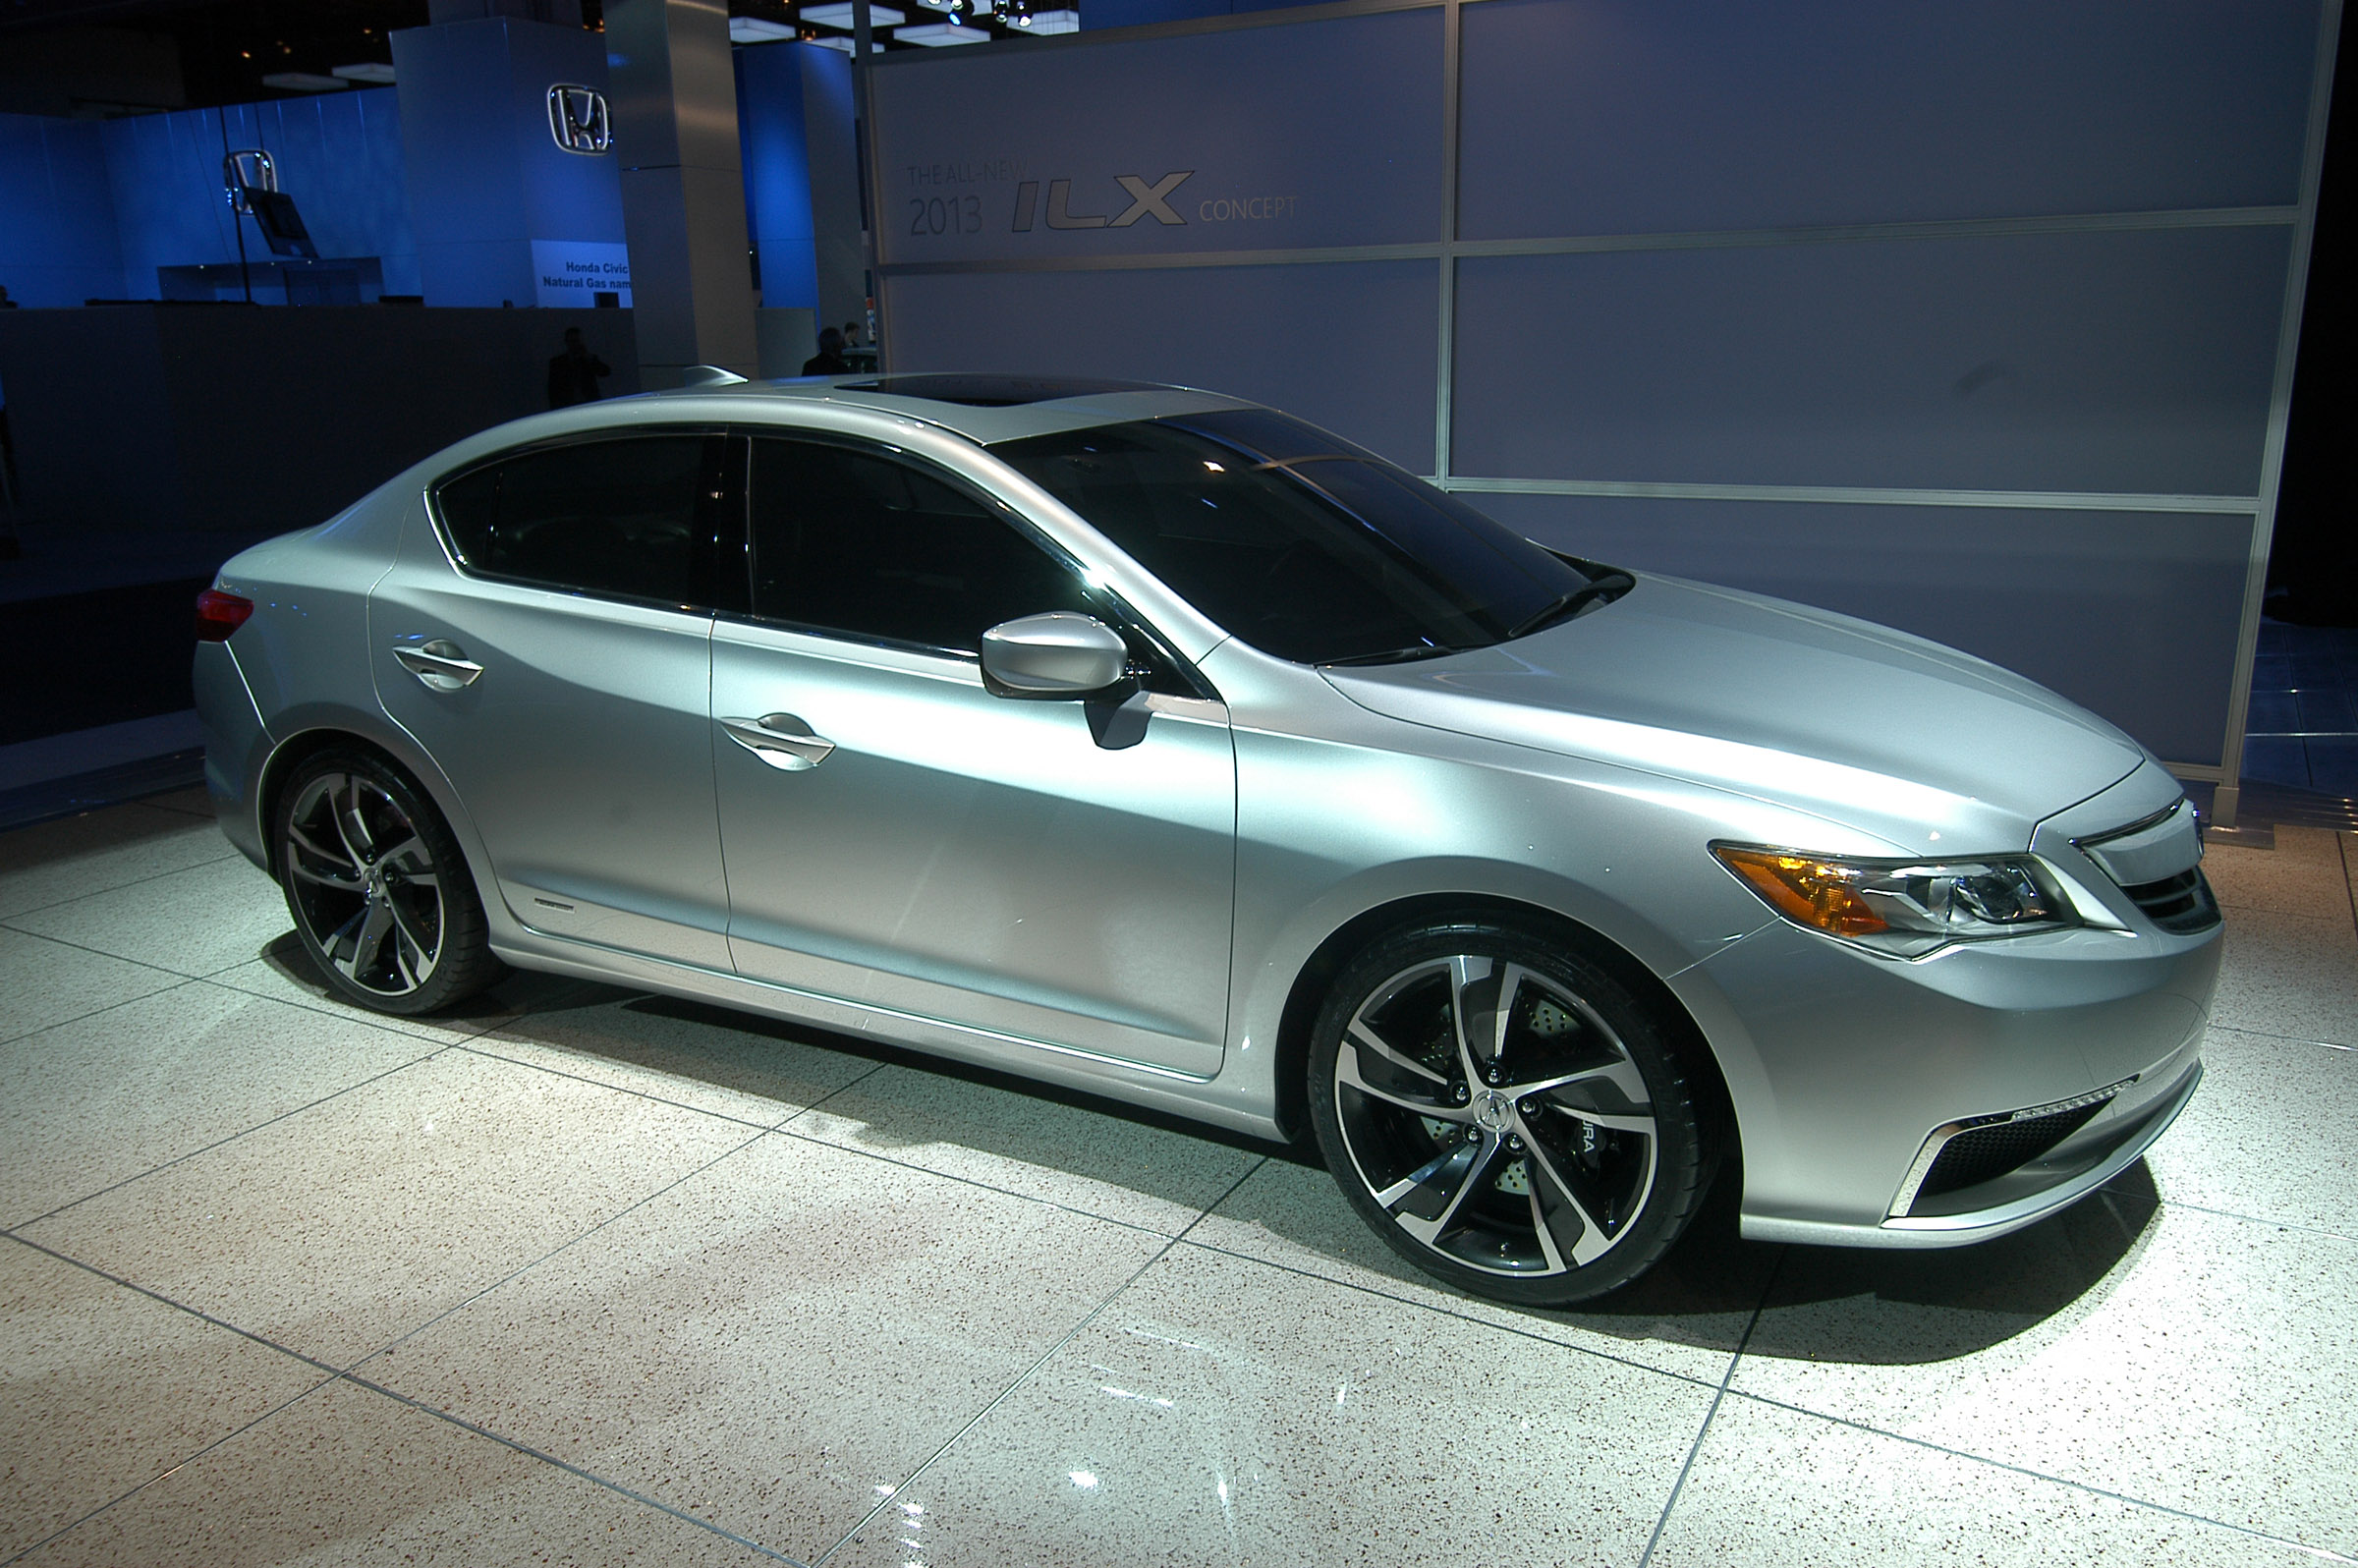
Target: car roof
{"points": [[982, 408]]}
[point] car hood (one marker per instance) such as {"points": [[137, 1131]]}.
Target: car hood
{"points": [[1933, 751]]}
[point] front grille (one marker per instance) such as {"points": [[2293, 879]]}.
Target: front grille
{"points": [[2180, 904], [1987, 1152]]}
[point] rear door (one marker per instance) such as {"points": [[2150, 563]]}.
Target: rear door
{"points": [[907, 840], [559, 675]]}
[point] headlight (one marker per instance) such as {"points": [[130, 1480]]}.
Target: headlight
{"points": [[1903, 907]]}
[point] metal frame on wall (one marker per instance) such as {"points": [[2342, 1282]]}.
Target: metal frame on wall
{"points": [[1449, 249]]}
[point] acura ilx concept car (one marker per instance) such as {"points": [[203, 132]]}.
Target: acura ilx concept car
{"points": [[1149, 741]]}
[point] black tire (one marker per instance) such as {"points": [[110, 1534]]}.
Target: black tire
{"points": [[381, 894], [1553, 1158]]}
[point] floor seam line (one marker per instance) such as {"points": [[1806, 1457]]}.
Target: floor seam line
{"points": [[873, 1069], [175, 983], [1661, 1521], [176, 1466], [2290, 1039], [272, 1121], [1446, 1312], [978, 1182], [528, 1267], [1023, 1377], [329, 1368], [82, 947], [137, 882], [2237, 1214], [2128, 1498], [568, 1467]]}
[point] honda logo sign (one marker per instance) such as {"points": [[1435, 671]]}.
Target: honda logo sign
{"points": [[577, 118]]}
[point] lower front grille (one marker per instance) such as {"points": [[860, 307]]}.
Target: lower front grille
{"points": [[2181, 904], [1987, 1153], [1982, 1149]]}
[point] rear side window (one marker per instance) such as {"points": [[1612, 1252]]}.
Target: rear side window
{"points": [[876, 547], [635, 518]]}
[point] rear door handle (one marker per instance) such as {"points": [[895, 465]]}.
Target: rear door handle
{"points": [[781, 740], [439, 664]]}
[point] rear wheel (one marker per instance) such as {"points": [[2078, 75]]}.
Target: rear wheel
{"points": [[380, 895], [1504, 1113]]}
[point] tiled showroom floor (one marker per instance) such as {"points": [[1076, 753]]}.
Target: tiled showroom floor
{"points": [[593, 1277]]}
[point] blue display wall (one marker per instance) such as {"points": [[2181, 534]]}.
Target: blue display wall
{"points": [[448, 186], [94, 207]]}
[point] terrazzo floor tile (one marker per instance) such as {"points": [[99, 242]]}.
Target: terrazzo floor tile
{"points": [[336, 1230], [284, 974], [2268, 1133], [346, 1476], [1776, 1488], [1322, 1426], [2176, 1360], [1087, 1157], [770, 1345], [74, 857], [1686, 1317], [195, 922], [731, 1064], [44, 982], [2289, 975], [2303, 874], [103, 1389], [100, 1100]]}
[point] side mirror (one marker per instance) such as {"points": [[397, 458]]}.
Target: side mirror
{"points": [[1059, 655]]}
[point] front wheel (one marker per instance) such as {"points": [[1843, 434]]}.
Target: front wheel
{"points": [[381, 897], [1504, 1113]]}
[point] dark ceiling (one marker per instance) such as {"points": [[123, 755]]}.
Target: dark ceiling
{"points": [[226, 48]]}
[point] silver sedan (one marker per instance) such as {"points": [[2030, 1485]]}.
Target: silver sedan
{"points": [[1152, 743]]}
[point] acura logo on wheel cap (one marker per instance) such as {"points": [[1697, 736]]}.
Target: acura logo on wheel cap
{"points": [[1494, 1110]]}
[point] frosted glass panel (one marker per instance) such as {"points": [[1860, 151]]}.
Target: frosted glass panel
{"points": [[1349, 346], [1666, 115], [2136, 362], [2130, 614]]}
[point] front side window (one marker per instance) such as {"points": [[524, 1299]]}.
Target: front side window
{"points": [[635, 517], [871, 546], [1300, 544]]}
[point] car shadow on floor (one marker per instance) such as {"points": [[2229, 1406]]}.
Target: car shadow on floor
{"points": [[1713, 1289]]}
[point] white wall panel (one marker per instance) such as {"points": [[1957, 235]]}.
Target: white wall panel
{"points": [[2133, 614], [2136, 362], [1349, 344], [1657, 116]]}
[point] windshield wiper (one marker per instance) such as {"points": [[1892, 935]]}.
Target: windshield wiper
{"points": [[1398, 655], [1610, 583]]}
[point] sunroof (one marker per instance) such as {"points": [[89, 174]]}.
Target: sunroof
{"points": [[993, 391]]}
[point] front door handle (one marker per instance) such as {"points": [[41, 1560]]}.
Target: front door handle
{"points": [[781, 740], [439, 664]]}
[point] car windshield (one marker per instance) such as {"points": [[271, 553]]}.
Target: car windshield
{"points": [[1301, 544]]}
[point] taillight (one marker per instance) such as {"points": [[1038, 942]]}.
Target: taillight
{"points": [[218, 614]]}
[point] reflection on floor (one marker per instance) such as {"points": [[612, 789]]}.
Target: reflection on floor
{"points": [[587, 1276], [2303, 728]]}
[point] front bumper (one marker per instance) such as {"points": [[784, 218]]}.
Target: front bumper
{"points": [[1845, 1068]]}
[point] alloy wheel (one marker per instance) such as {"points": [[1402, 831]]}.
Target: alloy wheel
{"points": [[1495, 1116], [363, 880]]}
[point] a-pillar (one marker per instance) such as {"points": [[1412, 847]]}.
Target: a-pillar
{"points": [[674, 102]]}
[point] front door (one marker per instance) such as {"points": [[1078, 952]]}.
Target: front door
{"points": [[561, 681], [899, 837]]}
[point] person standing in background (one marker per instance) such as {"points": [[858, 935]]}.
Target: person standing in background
{"points": [[573, 375]]}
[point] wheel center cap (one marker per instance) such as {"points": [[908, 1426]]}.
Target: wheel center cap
{"points": [[1494, 1110]]}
